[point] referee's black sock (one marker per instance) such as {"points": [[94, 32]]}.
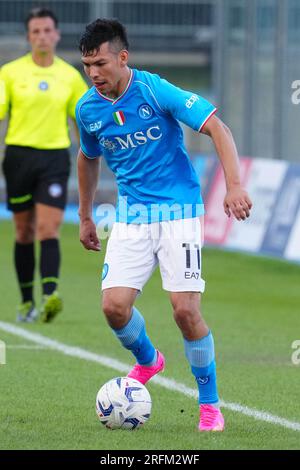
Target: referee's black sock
{"points": [[24, 263], [49, 264]]}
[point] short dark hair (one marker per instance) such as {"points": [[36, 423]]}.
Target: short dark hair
{"points": [[100, 31], [41, 12]]}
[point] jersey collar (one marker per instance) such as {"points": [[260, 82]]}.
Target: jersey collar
{"points": [[114, 101]]}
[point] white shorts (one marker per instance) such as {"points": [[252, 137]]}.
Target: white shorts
{"points": [[134, 251]]}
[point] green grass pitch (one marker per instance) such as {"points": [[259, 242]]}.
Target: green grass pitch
{"points": [[252, 306]]}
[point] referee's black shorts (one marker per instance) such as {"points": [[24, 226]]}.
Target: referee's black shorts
{"points": [[35, 176]]}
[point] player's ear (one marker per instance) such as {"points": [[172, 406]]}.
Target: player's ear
{"points": [[58, 37], [123, 56]]}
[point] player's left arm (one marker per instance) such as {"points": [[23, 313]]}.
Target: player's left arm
{"points": [[198, 113], [237, 200]]}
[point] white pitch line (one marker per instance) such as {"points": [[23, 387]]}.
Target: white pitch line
{"points": [[169, 384], [25, 346]]}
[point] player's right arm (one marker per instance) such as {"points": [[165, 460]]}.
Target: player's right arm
{"points": [[88, 173]]}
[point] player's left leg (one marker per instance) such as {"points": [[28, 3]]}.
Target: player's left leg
{"points": [[48, 221], [200, 353], [179, 254]]}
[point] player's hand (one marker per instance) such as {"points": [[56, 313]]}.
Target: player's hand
{"points": [[88, 235], [237, 202]]}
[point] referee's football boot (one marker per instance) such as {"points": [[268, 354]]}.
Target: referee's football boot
{"points": [[51, 305], [26, 312]]}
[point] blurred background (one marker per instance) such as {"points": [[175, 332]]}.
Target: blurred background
{"points": [[243, 55]]}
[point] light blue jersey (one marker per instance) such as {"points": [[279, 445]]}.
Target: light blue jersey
{"points": [[141, 140]]}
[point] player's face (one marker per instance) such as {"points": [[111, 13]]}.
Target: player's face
{"points": [[42, 35], [107, 69]]}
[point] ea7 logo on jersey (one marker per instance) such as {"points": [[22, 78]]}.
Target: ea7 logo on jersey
{"points": [[95, 126], [189, 275], [189, 103]]}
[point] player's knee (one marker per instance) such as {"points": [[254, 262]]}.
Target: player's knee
{"points": [[183, 313], [117, 314], [47, 230], [25, 233]]}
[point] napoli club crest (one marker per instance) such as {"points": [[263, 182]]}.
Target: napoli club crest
{"points": [[145, 111]]}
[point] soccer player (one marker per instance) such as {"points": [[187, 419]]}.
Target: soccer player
{"points": [[131, 118], [41, 91]]}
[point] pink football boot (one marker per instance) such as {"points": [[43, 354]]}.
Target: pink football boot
{"points": [[211, 419], [145, 373]]}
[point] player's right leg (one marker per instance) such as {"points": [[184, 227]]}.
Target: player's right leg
{"points": [[129, 327], [25, 263], [129, 263], [18, 169]]}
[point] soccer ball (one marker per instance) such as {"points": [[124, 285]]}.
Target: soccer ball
{"points": [[124, 403]]}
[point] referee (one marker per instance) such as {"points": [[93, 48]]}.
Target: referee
{"points": [[40, 92]]}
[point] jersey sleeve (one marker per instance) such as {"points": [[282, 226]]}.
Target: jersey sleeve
{"points": [[88, 143], [186, 106], [4, 93], [79, 87]]}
